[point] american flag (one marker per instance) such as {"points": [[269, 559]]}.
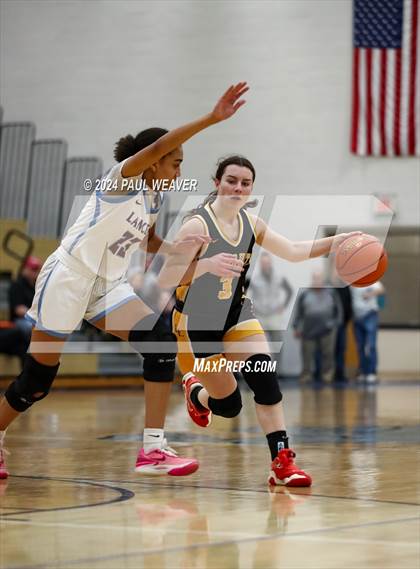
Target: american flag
{"points": [[385, 110]]}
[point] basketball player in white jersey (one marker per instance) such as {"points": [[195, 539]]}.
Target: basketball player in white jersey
{"points": [[85, 278]]}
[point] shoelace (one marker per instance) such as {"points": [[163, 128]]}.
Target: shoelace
{"points": [[168, 449], [290, 454]]}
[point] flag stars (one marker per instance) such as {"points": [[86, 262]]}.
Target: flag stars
{"points": [[378, 23]]}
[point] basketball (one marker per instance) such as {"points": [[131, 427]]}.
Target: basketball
{"points": [[361, 260]]}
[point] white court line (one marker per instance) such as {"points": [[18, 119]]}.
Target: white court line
{"points": [[210, 544], [209, 534], [353, 540], [141, 529]]}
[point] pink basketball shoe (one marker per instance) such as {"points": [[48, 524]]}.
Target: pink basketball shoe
{"points": [[164, 461]]}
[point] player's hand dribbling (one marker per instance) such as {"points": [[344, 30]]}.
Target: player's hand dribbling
{"points": [[224, 265], [229, 102]]}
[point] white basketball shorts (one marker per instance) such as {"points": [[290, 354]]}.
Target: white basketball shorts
{"points": [[66, 292]]}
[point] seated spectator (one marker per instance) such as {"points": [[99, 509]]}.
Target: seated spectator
{"points": [[317, 316], [21, 294], [366, 320]]}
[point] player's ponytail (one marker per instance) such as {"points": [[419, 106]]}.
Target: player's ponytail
{"points": [[222, 164], [128, 145]]}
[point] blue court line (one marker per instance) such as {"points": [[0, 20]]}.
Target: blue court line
{"points": [[124, 495], [173, 485], [156, 483], [197, 546], [209, 545]]}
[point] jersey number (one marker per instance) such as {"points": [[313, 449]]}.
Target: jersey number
{"points": [[226, 291], [123, 244]]}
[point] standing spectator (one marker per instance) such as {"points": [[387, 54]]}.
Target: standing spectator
{"points": [[21, 294], [365, 311], [344, 294], [270, 293], [318, 314]]}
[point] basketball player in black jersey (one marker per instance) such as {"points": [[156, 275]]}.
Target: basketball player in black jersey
{"points": [[213, 320]]}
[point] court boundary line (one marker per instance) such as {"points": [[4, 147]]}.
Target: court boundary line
{"points": [[257, 491], [217, 544], [124, 495]]}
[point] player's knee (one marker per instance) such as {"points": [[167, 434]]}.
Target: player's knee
{"points": [[259, 373], [151, 331], [32, 385], [229, 406], [158, 366]]}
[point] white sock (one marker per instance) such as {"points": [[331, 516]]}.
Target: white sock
{"points": [[2, 435], [153, 439]]}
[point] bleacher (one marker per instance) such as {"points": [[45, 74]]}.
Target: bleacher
{"points": [[38, 186]]}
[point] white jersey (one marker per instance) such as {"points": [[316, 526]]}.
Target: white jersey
{"points": [[110, 227], [362, 305]]}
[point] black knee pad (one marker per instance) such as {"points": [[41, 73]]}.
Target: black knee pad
{"points": [[229, 406], [154, 331], [34, 378], [262, 380], [157, 366]]}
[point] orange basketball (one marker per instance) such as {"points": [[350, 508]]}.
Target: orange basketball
{"points": [[361, 260]]}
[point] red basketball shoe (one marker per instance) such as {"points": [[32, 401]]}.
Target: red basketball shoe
{"points": [[201, 417], [284, 471]]}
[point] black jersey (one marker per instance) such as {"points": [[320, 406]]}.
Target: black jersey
{"points": [[217, 296]]}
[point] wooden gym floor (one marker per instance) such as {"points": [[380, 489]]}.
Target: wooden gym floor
{"points": [[73, 499]]}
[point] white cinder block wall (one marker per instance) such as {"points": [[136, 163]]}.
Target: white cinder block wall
{"points": [[91, 71]]}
